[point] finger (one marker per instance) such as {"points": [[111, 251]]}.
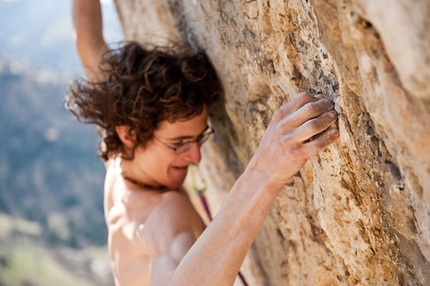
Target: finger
{"points": [[304, 98], [315, 126], [321, 142], [319, 96], [292, 106], [308, 112], [301, 99]]}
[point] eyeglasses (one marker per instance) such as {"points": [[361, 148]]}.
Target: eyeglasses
{"points": [[184, 147]]}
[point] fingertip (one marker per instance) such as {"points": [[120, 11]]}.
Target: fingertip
{"points": [[333, 114], [334, 132], [333, 135], [329, 136]]}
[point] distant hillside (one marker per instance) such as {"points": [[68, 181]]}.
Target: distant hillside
{"points": [[26, 261], [48, 168]]}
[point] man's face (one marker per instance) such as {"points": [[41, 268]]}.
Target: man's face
{"points": [[156, 164]]}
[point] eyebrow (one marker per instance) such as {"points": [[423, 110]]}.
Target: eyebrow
{"points": [[180, 138]]}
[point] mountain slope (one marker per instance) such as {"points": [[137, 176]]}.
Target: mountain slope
{"points": [[48, 166]]}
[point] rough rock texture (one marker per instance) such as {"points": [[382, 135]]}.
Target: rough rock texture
{"points": [[359, 213]]}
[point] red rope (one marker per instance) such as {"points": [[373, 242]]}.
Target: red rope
{"points": [[204, 203]]}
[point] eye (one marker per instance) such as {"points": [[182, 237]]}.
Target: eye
{"points": [[179, 146], [177, 143]]}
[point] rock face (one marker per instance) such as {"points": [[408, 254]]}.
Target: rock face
{"points": [[359, 213]]}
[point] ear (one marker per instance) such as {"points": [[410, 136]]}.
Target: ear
{"points": [[124, 135]]}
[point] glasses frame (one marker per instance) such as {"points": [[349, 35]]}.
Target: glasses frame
{"points": [[202, 138]]}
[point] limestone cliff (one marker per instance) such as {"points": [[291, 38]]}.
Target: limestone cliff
{"points": [[359, 213]]}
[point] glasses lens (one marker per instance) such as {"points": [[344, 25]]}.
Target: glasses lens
{"points": [[183, 147], [204, 138], [186, 146]]}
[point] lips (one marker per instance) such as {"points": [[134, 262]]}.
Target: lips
{"points": [[180, 168]]}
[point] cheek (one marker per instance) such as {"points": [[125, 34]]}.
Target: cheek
{"points": [[160, 162]]}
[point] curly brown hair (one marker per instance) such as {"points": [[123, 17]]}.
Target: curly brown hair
{"points": [[141, 89]]}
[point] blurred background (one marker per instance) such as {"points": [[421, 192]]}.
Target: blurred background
{"points": [[52, 229]]}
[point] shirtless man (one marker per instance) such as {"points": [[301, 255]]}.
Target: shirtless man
{"points": [[155, 235]]}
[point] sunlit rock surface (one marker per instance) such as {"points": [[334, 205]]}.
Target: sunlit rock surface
{"points": [[359, 213]]}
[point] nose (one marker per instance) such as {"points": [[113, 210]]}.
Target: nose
{"points": [[193, 155]]}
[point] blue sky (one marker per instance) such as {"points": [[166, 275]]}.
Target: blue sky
{"points": [[39, 33]]}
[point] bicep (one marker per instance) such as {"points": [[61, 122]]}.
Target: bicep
{"points": [[170, 231], [164, 265]]}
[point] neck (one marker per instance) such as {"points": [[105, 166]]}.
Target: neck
{"points": [[127, 172], [143, 185]]}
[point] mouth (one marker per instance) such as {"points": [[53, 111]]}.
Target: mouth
{"points": [[180, 168]]}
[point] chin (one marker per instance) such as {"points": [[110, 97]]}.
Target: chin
{"points": [[175, 183], [175, 179]]}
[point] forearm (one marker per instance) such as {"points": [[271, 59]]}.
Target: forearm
{"points": [[217, 255], [87, 18], [88, 34]]}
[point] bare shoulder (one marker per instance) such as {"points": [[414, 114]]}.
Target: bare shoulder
{"points": [[178, 211], [125, 202], [175, 202], [173, 215], [113, 189], [154, 219]]}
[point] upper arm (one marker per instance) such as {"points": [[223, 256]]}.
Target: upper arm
{"points": [[163, 265], [170, 231], [88, 36]]}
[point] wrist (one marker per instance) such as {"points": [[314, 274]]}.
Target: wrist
{"points": [[260, 182], [266, 176]]}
